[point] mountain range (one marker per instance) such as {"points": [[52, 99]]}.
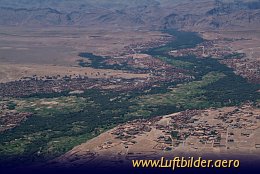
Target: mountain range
{"points": [[152, 14]]}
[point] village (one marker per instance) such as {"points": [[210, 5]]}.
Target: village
{"points": [[157, 71], [143, 46], [196, 129], [224, 130], [33, 86], [239, 61], [212, 48], [246, 68]]}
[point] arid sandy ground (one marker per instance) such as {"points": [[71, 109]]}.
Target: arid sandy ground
{"points": [[60, 46], [247, 41], [54, 51], [11, 72]]}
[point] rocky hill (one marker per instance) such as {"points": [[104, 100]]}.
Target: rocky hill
{"points": [[222, 15]]}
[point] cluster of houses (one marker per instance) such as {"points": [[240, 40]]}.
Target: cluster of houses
{"points": [[156, 68], [130, 130], [143, 46], [142, 63], [247, 68], [188, 129], [32, 86], [212, 49], [159, 72], [46, 86], [239, 119]]}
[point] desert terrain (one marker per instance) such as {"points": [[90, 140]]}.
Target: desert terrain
{"points": [[246, 41], [12, 72], [27, 52]]}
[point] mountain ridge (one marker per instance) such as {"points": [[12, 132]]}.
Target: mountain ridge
{"points": [[204, 14]]}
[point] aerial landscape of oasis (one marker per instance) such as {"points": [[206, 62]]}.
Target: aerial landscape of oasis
{"points": [[85, 82]]}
